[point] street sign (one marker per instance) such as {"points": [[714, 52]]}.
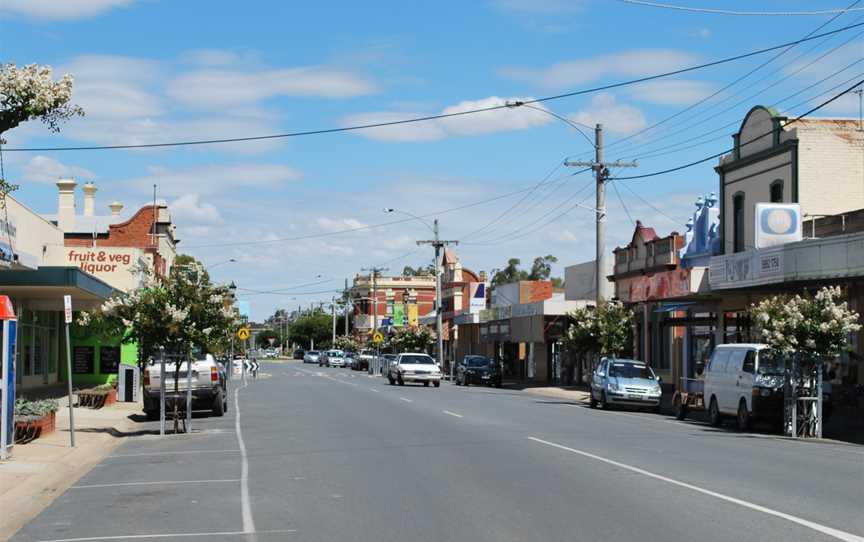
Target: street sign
{"points": [[378, 337], [243, 333], [67, 307]]}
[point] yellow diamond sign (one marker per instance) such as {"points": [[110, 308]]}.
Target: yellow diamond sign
{"points": [[378, 337], [243, 333]]}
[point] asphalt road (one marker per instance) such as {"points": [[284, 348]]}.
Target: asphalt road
{"points": [[333, 455]]}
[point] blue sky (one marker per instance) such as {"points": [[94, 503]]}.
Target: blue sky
{"points": [[152, 71]]}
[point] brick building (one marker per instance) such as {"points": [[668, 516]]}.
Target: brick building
{"points": [[400, 300], [113, 247]]}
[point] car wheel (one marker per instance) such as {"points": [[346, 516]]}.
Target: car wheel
{"points": [[456, 381], [497, 383], [390, 379], [603, 403], [152, 415], [426, 384], [401, 382], [658, 409], [591, 401], [714, 413], [679, 408], [743, 417], [437, 383], [219, 405]]}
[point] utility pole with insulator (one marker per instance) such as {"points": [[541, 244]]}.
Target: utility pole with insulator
{"points": [[601, 171], [438, 244]]}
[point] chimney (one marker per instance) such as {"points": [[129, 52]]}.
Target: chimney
{"points": [[115, 207], [89, 198], [66, 204]]}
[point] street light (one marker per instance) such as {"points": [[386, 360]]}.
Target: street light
{"points": [[415, 217]]}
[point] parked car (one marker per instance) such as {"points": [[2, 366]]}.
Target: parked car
{"points": [[478, 370], [209, 390], [625, 382], [414, 368], [311, 356], [334, 358], [348, 360], [362, 360], [300, 354], [745, 381]]}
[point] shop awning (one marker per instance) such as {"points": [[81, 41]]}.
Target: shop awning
{"points": [[45, 287]]}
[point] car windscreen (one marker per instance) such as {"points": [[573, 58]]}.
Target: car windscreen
{"points": [[630, 370], [312, 352], [771, 363], [476, 361], [336, 354], [412, 360]]}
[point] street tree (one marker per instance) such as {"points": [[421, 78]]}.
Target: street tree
{"points": [[606, 330], [541, 269], [177, 312], [347, 343], [412, 339], [315, 326], [420, 270], [262, 338], [29, 93]]}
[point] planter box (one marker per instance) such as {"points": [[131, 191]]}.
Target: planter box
{"points": [[28, 428]]}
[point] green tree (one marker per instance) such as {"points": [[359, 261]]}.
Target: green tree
{"points": [[262, 339], [347, 343], [541, 269], [606, 330], [409, 271], [315, 326]]}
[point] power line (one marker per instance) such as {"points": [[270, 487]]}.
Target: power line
{"points": [[753, 140], [425, 118], [649, 204], [714, 11], [729, 85], [624, 205]]}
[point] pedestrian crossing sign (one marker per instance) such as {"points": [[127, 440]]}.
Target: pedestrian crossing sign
{"points": [[378, 337], [243, 333]]}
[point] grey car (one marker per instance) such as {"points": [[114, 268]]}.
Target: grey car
{"points": [[625, 382], [311, 356]]}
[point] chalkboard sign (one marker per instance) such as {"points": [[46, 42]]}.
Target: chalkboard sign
{"points": [[109, 359], [83, 360]]}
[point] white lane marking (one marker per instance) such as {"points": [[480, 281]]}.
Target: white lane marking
{"points": [[406, 400], [245, 504], [166, 535], [452, 414], [156, 483], [182, 452], [374, 390], [830, 531]]}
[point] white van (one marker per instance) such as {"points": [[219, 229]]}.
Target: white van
{"points": [[745, 381]]}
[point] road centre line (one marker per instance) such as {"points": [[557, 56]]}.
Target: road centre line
{"points": [[182, 452], [245, 503], [452, 414], [830, 531], [406, 400], [166, 535], [156, 483]]}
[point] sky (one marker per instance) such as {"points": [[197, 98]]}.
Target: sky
{"points": [[151, 71]]}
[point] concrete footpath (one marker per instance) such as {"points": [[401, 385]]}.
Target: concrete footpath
{"points": [[558, 392], [38, 472]]}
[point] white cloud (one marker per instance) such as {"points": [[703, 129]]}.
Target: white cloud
{"points": [[702, 33], [487, 122], [211, 57], [221, 88], [616, 117], [671, 92], [212, 179], [188, 210], [631, 63], [338, 224], [43, 169], [542, 7], [60, 10]]}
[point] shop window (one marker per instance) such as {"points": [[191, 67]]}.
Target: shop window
{"points": [[738, 222], [777, 191]]}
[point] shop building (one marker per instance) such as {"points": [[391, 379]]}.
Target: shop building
{"points": [[463, 296], [36, 285], [400, 300]]}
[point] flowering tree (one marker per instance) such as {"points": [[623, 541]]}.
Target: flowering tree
{"points": [[347, 343], [816, 327], [605, 330], [412, 339], [174, 312], [30, 93]]}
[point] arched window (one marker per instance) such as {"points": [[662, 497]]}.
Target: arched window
{"points": [[738, 222], [777, 191]]}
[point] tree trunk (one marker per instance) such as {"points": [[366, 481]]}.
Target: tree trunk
{"points": [[579, 364]]}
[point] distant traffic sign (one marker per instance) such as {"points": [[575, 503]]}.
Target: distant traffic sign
{"points": [[243, 333], [378, 337]]}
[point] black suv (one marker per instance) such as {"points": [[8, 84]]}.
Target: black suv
{"points": [[299, 353], [478, 370]]}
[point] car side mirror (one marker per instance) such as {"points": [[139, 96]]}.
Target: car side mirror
{"points": [[658, 378]]}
